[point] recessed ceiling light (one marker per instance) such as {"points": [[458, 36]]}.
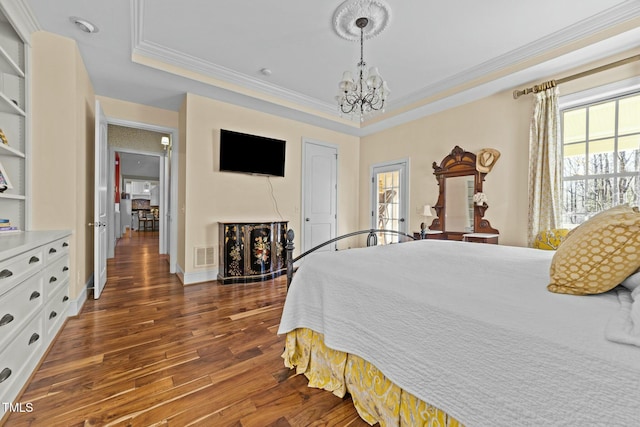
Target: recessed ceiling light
{"points": [[84, 25]]}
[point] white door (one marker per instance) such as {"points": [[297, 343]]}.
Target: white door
{"points": [[389, 199], [319, 194], [100, 204]]}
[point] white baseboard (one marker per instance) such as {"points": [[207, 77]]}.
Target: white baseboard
{"points": [[76, 305], [197, 277]]}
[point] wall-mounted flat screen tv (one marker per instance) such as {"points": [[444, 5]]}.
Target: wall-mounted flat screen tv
{"points": [[241, 152]]}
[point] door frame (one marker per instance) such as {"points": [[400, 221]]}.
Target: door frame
{"points": [[305, 142], [404, 183], [100, 226], [162, 201], [168, 183]]}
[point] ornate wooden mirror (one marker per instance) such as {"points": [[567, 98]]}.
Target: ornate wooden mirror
{"points": [[458, 181]]}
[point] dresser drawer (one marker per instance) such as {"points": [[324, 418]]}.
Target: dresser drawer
{"points": [[56, 249], [18, 305], [56, 309], [55, 274], [18, 268], [17, 359]]}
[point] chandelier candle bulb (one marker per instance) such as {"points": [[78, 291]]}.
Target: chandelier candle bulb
{"points": [[374, 80]]}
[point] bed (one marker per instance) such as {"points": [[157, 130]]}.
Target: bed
{"points": [[448, 333]]}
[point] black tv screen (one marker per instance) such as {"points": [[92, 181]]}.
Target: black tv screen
{"points": [[240, 152]]}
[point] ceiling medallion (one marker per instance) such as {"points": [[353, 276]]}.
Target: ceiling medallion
{"points": [[377, 13]]}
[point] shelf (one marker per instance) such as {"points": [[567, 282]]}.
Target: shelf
{"points": [[12, 196], [7, 150], [7, 64], [7, 106], [15, 122]]}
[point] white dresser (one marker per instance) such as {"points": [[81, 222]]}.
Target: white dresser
{"points": [[34, 297]]}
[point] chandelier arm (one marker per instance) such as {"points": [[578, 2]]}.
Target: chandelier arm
{"points": [[379, 107], [352, 98], [373, 98], [369, 97], [348, 110]]}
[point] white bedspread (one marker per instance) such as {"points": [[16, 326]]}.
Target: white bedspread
{"points": [[472, 329], [624, 326]]}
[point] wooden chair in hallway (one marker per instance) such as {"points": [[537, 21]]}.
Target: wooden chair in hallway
{"points": [[144, 218]]}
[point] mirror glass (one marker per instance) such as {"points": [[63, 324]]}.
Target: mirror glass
{"points": [[459, 203]]}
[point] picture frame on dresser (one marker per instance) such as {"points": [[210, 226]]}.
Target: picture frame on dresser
{"points": [[5, 183]]}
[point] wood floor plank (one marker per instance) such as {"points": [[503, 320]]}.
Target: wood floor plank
{"points": [[151, 352]]}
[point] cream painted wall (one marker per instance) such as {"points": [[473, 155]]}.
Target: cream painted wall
{"points": [[85, 135], [486, 123], [138, 113], [63, 104], [496, 121], [62, 143], [212, 196]]}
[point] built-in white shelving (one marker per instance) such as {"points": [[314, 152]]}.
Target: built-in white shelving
{"points": [[14, 123]]}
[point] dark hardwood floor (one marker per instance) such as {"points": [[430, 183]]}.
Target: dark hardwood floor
{"points": [[151, 352]]}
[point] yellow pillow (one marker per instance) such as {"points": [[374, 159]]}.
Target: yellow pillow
{"points": [[619, 208], [550, 239], [599, 254]]}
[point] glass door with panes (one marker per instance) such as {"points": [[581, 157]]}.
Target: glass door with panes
{"points": [[389, 199]]}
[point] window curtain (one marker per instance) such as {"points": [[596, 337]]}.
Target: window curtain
{"points": [[545, 165]]}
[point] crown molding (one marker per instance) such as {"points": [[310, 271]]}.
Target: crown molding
{"points": [[179, 59], [21, 17], [597, 51], [610, 18]]}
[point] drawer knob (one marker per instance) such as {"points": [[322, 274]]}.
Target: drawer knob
{"points": [[65, 268], [5, 273], [65, 244], [52, 279], [52, 251], [34, 295], [52, 315], [34, 259], [6, 319], [6, 373], [35, 337], [65, 298]]}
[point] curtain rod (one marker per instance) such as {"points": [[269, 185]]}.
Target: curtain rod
{"points": [[553, 83]]}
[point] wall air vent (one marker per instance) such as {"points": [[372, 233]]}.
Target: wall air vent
{"points": [[204, 256]]}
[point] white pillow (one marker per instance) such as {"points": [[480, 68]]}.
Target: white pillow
{"points": [[632, 282]]}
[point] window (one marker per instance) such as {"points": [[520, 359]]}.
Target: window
{"points": [[601, 155]]}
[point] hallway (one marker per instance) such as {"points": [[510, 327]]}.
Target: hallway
{"points": [[152, 352]]}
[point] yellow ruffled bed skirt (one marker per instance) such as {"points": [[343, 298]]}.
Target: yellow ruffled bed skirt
{"points": [[375, 397]]}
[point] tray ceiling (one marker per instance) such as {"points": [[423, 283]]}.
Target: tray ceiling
{"points": [[433, 54]]}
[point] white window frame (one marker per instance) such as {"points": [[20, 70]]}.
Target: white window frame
{"points": [[593, 96]]}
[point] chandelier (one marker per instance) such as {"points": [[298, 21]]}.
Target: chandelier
{"points": [[368, 93]]}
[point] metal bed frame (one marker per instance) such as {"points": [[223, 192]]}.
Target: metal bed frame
{"points": [[372, 240]]}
